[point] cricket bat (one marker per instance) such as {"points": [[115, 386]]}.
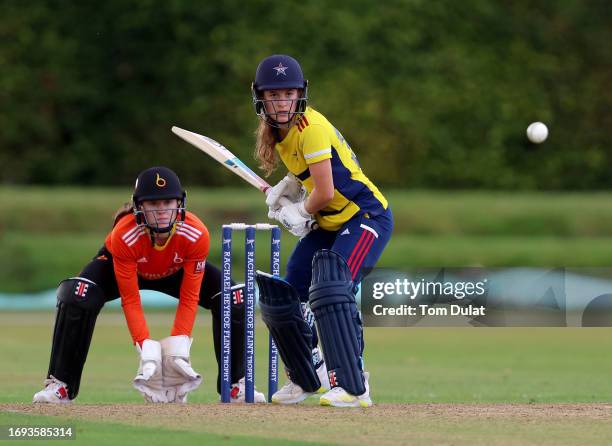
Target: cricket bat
{"points": [[222, 155]]}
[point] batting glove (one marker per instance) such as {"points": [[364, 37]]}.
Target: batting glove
{"points": [[295, 218], [289, 187]]}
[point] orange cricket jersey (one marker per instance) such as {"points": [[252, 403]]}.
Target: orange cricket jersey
{"points": [[134, 255]]}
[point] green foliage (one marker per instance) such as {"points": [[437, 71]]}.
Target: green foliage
{"points": [[440, 92]]}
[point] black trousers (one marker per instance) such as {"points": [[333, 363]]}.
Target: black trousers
{"points": [[100, 271]]}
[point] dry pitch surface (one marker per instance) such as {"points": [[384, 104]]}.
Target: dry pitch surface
{"points": [[384, 424]]}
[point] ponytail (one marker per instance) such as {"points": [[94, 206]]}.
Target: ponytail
{"points": [[124, 210], [265, 151]]}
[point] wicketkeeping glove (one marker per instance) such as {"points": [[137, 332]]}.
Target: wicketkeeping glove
{"points": [[149, 379], [179, 376]]}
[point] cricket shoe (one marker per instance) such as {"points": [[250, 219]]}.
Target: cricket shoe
{"points": [[338, 397], [237, 393], [55, 392], [292, 393]]}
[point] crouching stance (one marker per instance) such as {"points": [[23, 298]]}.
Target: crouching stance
{"points": [[157, 245], [324, 182]]}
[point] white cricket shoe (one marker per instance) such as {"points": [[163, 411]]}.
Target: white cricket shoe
{"points": [[338, 397], [237, 394], [292, 393], [55, 392]]}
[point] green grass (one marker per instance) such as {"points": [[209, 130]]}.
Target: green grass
{"points": [[463, 386], [409, 365], [391, 425], [34, 262], [490, 365], [49, 210], [492, 251], [503, 213], [47, 234], [104, 433], [459, 386]]}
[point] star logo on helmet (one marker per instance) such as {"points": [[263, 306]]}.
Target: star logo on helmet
{"points": [[281, 69]]}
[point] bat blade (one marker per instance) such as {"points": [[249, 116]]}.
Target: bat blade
{"points": [[222, 155]]}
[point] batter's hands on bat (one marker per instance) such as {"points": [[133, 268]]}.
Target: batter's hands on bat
{"points": [[295, 218], [288, 187]]}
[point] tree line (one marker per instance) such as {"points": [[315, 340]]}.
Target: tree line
{"points": [[430, 94]]}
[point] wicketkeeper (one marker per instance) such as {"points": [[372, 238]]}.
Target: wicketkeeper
{"points": [[155, 244]]}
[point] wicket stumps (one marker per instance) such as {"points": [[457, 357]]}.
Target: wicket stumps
{"points": [[249, 298]]}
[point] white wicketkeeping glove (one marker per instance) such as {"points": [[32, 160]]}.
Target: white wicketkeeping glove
{"points": [[295, 218], [289, 187], [179, 376], [149, 380]]}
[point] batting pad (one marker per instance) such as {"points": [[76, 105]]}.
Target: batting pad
{"points": [[79, 301], [282, 313], [338, 321]]}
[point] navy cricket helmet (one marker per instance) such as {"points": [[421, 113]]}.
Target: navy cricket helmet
{"points": [[158, 183], [278, 72]]}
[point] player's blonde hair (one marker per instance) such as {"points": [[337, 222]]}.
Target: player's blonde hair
{"points": [[125, 209], [265, 151]]}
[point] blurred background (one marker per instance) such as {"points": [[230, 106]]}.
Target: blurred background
{"points": [[433, 96]]}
